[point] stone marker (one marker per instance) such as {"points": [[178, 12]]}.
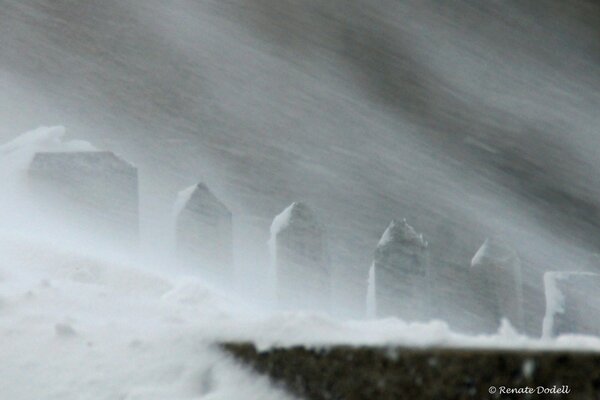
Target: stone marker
{"points": [[204, 232], [401, 276], [300, 259], [95, 190], [496, 286], [572, 304], [451, 246]]}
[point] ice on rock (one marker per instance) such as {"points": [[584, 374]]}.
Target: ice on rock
{"points": [[555, 302], [371, 303], [204, 232], [402, 232], [496, 284], [569, 307], [493, 251], [280, 222], [401, 273], [300, 259]]}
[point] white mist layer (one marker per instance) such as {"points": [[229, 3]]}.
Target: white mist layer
{"points": [[79, 323], [16, 211], [16, 155], [74, 326]]}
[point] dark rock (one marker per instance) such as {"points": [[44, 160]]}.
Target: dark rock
{"points": [[357, 373]]}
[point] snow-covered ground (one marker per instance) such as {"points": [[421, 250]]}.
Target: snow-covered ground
{"points": [[76, 326], [77, 322]]}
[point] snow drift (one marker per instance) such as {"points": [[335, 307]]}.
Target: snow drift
{"points": [[77, 322]]}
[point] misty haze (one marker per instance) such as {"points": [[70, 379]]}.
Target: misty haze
{"points": [[178, 175]]}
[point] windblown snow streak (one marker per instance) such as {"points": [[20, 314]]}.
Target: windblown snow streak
{"points": [[469, 119]]}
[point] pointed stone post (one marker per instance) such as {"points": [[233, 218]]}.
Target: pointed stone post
{"points": [[572, 305], [204, 232], [496, 286], [300, 259], [95, 190], [401, 276]]}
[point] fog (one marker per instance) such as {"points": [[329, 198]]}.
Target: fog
{"points": [[472, 120]]}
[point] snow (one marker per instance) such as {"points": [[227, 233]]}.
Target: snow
{"points": [[492, 250], [555, 300], [528, 368], [16, 155], [182, 199], [371, 300], [405, 233], [81, 326], [387, 235], [78, 323], [45, 139], [75, 326], [21, 150], [480, 254], [280, 222]]}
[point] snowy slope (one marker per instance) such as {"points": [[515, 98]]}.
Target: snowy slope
{"points": [[470, 119], [77, 327], [80, 322], [80, 326]]}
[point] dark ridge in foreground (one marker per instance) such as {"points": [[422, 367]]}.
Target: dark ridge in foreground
{"points": [[352, 373]]}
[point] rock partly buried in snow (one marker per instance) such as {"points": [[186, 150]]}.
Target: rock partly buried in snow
{"points": [[204, 232], [96, 190], [391, 373], [301, 259], [570, 307], [496, 286], [401, 274]]}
